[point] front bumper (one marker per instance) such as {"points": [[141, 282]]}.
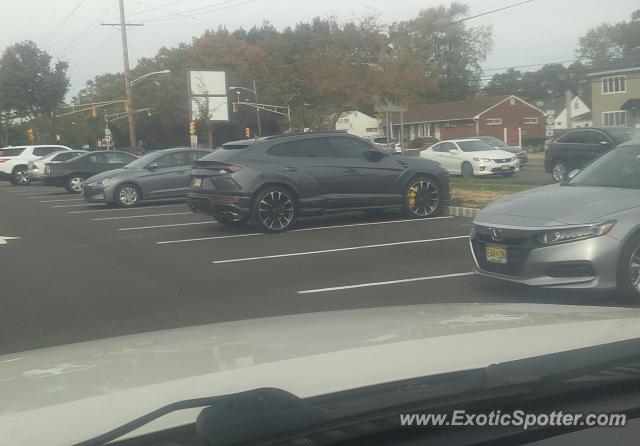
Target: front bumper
{"points": [[94, 194], [590, 263], [224, 205], [482, 168]]}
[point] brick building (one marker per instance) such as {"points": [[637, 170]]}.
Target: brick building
{"points": [[506, 117]]}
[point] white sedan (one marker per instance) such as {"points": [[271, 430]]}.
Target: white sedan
{"points": [[470, 157]]}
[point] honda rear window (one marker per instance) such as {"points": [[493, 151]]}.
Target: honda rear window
{"points": [[11, 152]]}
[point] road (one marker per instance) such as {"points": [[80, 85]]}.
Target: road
{"points": [[78, 272]]}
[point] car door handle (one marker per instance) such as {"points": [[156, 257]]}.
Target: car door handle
{"points": [[350, 170], [290, 169]]}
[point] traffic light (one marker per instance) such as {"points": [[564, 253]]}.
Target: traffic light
{"points": [[247, 132], [94, 113], [193, 127], [30, 135], [235, 107]]}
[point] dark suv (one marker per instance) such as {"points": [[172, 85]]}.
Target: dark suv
{"points": [[273, 180], [574, 149]]}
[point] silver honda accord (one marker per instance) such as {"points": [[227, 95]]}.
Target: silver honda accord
{"points": [[583, 233]]}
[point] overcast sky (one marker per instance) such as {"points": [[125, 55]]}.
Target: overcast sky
{"points": [[537, 32]]}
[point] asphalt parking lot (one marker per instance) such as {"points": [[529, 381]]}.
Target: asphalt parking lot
{"points": [[78, 271]]}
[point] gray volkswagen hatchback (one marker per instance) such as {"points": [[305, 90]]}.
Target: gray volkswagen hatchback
{"points": [[273, 180]]}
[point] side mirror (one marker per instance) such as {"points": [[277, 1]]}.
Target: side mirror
{"points": [[453, 151], [573, 173], [374, 155], [152, 166]]}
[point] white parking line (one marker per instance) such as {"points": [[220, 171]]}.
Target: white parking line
{"points": [[351, 248], [306, 229], [139, 216], [388, 282], [65, 199], [76, 205], [120, 209], [169, 226]]}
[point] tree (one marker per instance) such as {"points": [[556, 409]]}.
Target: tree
{"points": [[509, 82], [610, 41], [30, 86], [450, 51]]}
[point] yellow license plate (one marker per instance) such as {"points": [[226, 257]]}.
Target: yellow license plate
{"points": [[197, 182], [496, 254]]}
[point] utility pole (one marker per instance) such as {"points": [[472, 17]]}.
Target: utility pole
{"points": [[567, 103], [127, 85], [255, 91]]}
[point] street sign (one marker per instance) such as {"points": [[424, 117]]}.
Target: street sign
{"points": [[194, 141], [208, 96]]}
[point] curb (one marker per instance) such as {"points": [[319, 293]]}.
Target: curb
{"points": [[457, 211]]}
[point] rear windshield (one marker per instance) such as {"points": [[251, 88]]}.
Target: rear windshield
{"points": [[11, 152], [624, 134]]}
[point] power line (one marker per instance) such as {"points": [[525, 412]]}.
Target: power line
{"points": [[80, 38], [154, 8], [203, 10], [490, 12], [535, 64], [161, 8], [53, 31]]}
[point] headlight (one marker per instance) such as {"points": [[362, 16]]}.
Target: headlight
{"points": [[102, 182], [484, 160], [575, 234]]}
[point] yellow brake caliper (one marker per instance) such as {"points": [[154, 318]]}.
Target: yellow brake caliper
{"points": [[412, 196]]}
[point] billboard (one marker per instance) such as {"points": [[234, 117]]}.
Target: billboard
{"points": [[208, 95], [215, 107]]}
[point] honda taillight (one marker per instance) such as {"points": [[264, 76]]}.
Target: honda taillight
{"points": [[4, 160], [230, 168]]}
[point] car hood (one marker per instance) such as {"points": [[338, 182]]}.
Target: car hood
{"points": [[491, 154], [118, 173], [108, 382], [556, 205]]}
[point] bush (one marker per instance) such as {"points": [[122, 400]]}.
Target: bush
{"points": [[420, 143]]}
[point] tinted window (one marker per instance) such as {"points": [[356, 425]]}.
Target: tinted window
{"points": [[443, 147], [594, 137], [96, 158], [574, 138], [64, 156], [198, 155], [349, 147], [313, 148], [42, 151], [175, 159], [11, 152], [474, 146], [117, 158]]}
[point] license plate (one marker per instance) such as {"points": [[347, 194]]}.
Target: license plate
{"points": [[496, 254], [197, 182]]}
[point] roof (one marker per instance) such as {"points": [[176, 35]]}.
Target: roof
{"points": [[630, 62], [583, 117], [451, 111], [550, 103]]}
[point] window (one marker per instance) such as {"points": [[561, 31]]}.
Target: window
{"points": [[474, 145], [197, 155], [312, 148], [530, 120], [577, 137], [443, 147], [614, 118], [12, 152], [42, 151], [175, 159], [494, 121], [372, 130], [614, 84], [96, 158], [64, 156], [595, 137], [117, 158], [349, 147], [576, 105]]}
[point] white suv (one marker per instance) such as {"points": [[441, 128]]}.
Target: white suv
{"points": [[14, 161]]}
